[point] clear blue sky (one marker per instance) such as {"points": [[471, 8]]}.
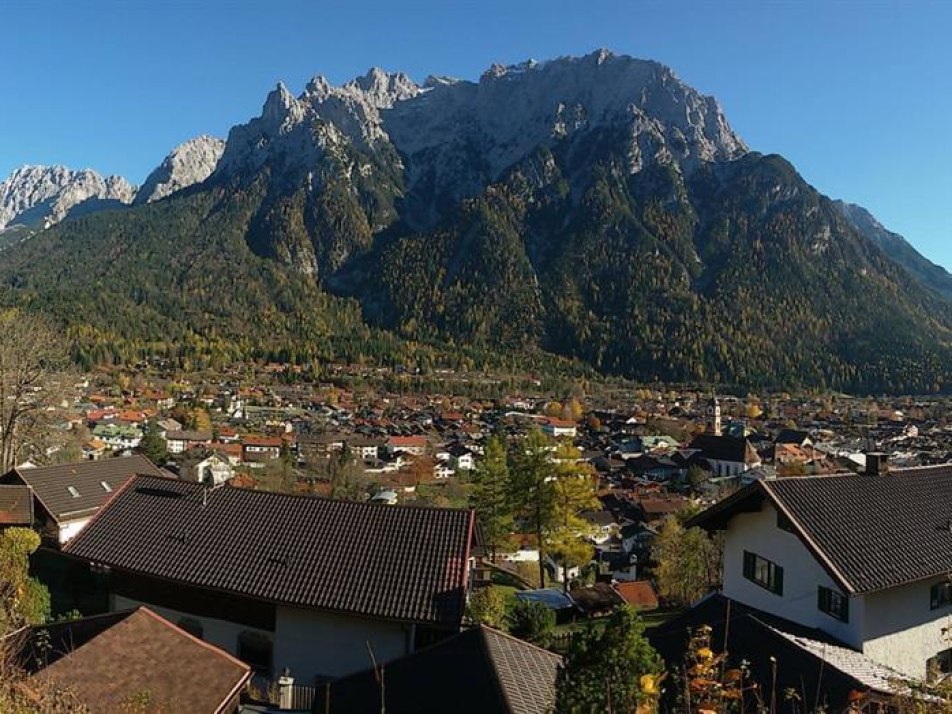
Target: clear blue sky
{"points": [[856, 94]]}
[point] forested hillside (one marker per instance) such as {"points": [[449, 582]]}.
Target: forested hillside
{"points": [[611, 217]]}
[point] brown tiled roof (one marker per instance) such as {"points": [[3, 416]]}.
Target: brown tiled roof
{"points": [[639, 593], [145, 655], [868, 532], [52, 484], [272, 441], [479, 671], [392, 562], [409, 441], [188, 436], [16, 505], [600, 597]]}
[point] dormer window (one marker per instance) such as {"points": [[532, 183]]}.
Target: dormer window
{"points": [[72, 491], [763, 572]]}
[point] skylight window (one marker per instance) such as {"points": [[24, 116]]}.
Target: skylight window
{"points": [[72, 491], [105, 487]]}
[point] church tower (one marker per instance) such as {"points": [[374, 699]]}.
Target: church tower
{"points": [[713, 416]]}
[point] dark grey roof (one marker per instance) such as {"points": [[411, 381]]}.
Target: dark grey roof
{"points": [[792, 436], [479, 671], [808, 661], [394, 562], [75, 490], [869, 532], [724, 448], [16, 505], [598, 518]]}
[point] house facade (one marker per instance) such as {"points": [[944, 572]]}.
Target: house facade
{"points": [[284, 581], [559, 428], [260, 449], [67, 496], [726, 455], [178, 442], [836, 554]]}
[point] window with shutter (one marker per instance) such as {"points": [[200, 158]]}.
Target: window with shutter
{"points": [[763, 572]]}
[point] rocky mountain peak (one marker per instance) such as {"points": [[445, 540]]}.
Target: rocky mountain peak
{"points": [[44, 195], [187, 164], [383, 89], [496, 121]]}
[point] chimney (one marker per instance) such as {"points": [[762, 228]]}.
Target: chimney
{"points": [[877, 463], [285, 690]]}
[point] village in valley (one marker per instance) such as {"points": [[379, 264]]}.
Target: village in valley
{"points": [[263, 511], [475, 357]]}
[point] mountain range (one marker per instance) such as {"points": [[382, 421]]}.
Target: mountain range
{"points": [[594, 208]]}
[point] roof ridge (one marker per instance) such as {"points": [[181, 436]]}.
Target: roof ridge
{"points": [[946, 465], [509, 636], [301, 496], [188, 635], [808, 540], [87, 464]]}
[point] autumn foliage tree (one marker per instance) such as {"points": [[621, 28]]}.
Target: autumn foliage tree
{"points": [[688, 562], [24, 600], [31, 353], [531, 491], [573, 492]]}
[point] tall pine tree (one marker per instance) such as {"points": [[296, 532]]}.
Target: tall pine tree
{"points": [[533, 495], [492, 495]]}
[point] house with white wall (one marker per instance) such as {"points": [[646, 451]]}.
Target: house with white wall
{"points": [[67, 496], [178, 442], [726, 455], [559, 428], [864, 559], [284, 581]]}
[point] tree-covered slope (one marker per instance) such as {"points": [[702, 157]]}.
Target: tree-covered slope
{"points": [[596, 208]]}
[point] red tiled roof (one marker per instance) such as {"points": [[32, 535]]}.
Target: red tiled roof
{"points": [[407, 441], [391, 562], [639, 593], [273, 441]]}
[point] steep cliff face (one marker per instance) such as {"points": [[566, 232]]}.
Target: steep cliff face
{"points": [[44, 195], [186, 165], [593, 207], [344, 164]]}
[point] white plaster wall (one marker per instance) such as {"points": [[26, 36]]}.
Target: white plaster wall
{"points": [[176, 446], [802, 575], [901, 630], [321, 644], [69, 529], [221, 633]]}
